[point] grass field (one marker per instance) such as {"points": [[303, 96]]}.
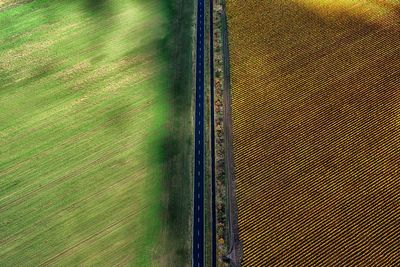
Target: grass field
{"points": [[85, 98], [316, 127]]}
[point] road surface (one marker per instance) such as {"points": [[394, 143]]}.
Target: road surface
{"points": [[198, 191]]}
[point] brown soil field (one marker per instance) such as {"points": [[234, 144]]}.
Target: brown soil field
{"points": [[316, 128]]}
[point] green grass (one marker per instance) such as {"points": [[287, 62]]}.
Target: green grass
{"points": [[84, 97]]}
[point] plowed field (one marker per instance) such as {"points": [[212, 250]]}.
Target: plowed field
{"points": [[316, 126]]}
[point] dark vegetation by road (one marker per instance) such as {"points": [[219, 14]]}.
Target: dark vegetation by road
{"points": [[176, 148]]}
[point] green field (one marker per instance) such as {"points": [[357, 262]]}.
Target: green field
{"points": [[86, 107]]}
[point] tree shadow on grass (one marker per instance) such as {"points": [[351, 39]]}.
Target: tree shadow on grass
{"points": [[175, 150], [96, 5]]}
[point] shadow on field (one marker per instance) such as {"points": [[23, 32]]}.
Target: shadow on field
{"points": [[175, 149], [321, 142], [96, 5]]}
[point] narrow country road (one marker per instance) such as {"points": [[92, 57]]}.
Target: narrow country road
{"points": [[198, 191]]}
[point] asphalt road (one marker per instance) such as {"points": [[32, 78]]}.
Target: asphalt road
{"points": [[198, 191]]}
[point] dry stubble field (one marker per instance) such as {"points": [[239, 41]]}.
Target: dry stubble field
{"points": [[316, 126]]}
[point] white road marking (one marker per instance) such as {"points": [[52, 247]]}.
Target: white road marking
{"points": [[200, 68]]}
